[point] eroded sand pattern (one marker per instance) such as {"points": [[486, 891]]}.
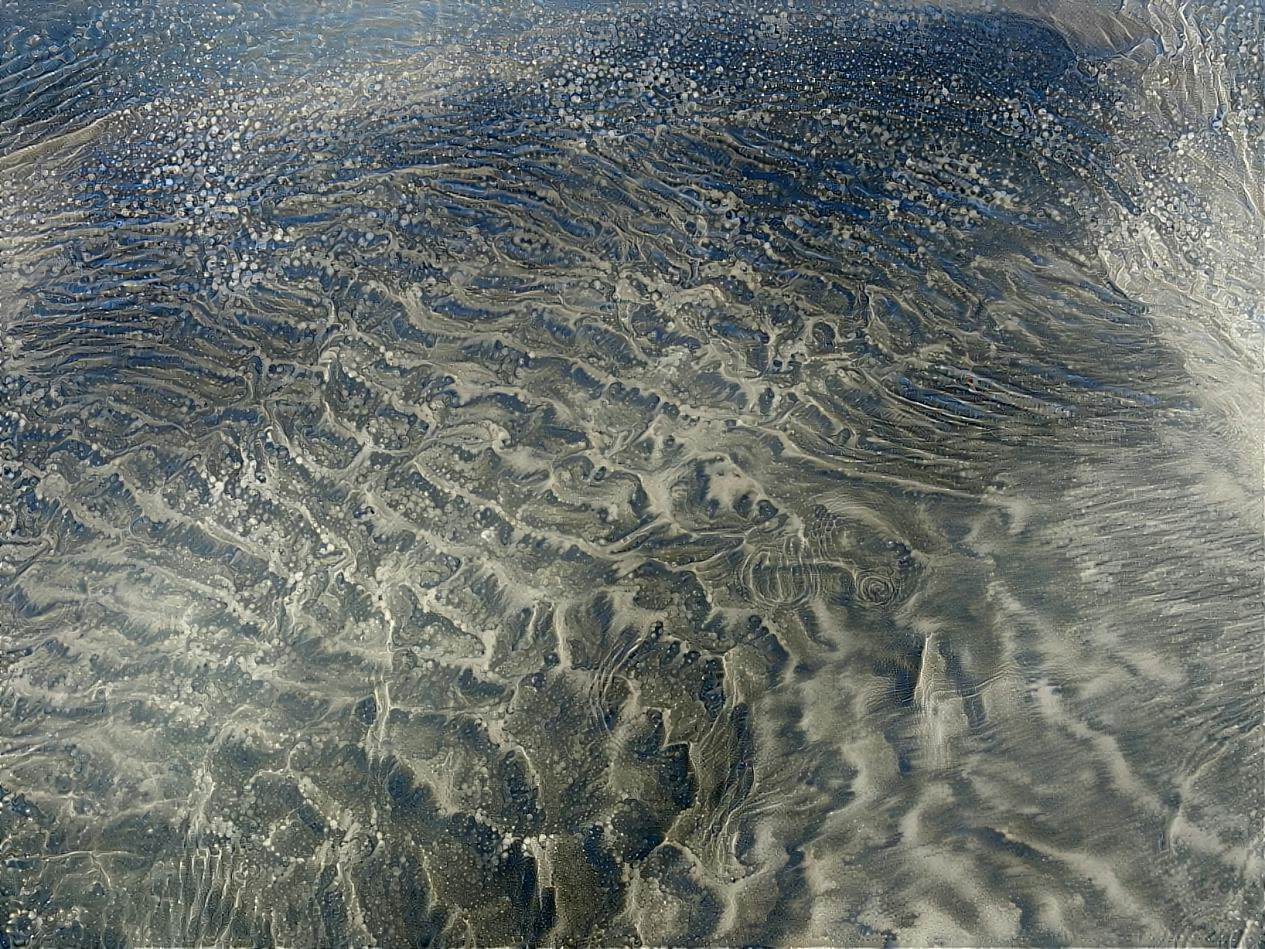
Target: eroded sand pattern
{"points": [[654, 474]]}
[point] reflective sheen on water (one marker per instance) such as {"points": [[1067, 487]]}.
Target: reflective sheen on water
{"points": [[694, 473]]}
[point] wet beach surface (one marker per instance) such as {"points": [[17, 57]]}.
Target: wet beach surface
{"points": [[630, 475]]}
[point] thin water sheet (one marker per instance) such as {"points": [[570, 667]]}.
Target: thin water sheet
{"points": [[685, 473]]}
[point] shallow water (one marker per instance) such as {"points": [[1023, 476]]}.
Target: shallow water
{"points": [[674, 474]]}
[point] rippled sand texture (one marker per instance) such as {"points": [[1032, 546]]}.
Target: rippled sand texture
{"points": [[689, 475]]}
